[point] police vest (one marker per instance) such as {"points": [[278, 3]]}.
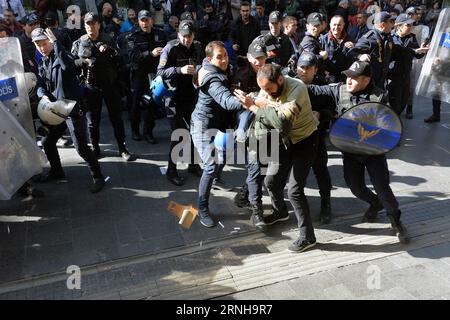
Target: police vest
{"points": [[345, 101]]}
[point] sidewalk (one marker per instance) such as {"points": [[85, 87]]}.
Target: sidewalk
{"points": [[128, 224]]}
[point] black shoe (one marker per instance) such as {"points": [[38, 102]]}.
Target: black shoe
{"points": [[97, 185], [219, 184], [241, 197], [206, 219], [136, 136], [301, 245], [325, 210], [196, 170], [150, 139], [399, 229], [371, 213], [125, 155], [258, 217], [275, 217], [28, 190], [50, 176], [431, 119], [409, 114], [174, 178]]}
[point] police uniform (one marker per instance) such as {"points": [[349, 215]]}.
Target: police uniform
{"points": [[280, 45], [312, 44], [27, 47], [355, 164], [143, 63], [56, 81], [173, 57], [104, 86]]}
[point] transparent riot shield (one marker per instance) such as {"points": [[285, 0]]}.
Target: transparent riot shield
{"points": [[20, 157], [434, 80], [422, 33], [13, 89]]}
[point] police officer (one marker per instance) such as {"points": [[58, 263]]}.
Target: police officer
{"points": [[52, 22], [359, 88], [26, 44], [400, 69], [278, 45], [144, 49], [310, 42], [178, 63], [307, 68], [56, 81], [99, 59]]}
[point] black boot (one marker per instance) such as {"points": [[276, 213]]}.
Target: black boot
{"points": [[241, 197], [409, 114], [258, 217], [135, 132], [96, 150], [399, 229], [432, 118], [173, 177], [325, 210], [372, 212]]}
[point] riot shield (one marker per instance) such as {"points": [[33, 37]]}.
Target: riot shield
{"points": [[13, 89], [369, 128], [422, 33], [434, 80], [20, 157]]}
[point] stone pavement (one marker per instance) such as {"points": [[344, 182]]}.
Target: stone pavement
{"points": [[129, 246]]}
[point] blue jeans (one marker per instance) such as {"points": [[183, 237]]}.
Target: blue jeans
{"points": [[204, 143]]}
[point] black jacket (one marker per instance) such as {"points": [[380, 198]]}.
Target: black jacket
{"points": [[215, 99], [57, 76], [338, 60], [243, 34], [402, 65]]}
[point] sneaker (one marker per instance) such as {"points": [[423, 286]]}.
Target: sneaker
{"points": [[219, 184], [275, 217], [196, 170], [431, 119], [241, 197], [371, 213], [126, 156], [206, 219], [97, 185], [400, 231], [301, 245], [258, 217]]}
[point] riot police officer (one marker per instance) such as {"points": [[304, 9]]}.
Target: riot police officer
{"points": [[145, 45], [359, 88], [178, 63], [99, 60], [278, 45]]}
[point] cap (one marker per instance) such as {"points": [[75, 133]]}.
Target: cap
{"points": [[404, 19], [256, 49], [32, 18], [38, 34], [314, 18], [275, 16], [144, 14], [186, 27], [382, 16], [343, 2], [119, 16], [51, 16], [187, 16], [91, 16], [411, 10], [358, 68], [307, 59]]}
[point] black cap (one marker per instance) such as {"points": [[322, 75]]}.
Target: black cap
{"points": [[144, 14], [256, 49], [32, 18], [307, 59], [186, 27], [91, 16], [404, 19], [358, 68], [314, 18], [186, 16], [119, 16], [275, 16], [38, 34], [382, 16], [51, 17]]}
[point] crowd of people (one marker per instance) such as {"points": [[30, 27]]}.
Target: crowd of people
{"points": [[289, 65]]}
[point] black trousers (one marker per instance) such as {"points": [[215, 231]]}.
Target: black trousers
{"points": [[377, 167], [76, 124], [320, 167], [295, 162], [399, 92], [93, 101], [138, 87]]}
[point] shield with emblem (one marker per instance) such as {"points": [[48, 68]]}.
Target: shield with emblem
{"points": [[369, 128]]}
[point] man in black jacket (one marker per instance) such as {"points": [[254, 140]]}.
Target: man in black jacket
{"points": [[56, 81], [245, 29]]}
